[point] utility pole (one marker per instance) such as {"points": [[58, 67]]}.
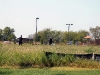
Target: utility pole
{"points": [[36, 30]]}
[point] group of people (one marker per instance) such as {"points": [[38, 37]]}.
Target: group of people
{"points": [[20, 40]]}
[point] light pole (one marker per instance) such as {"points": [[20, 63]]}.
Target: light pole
{"points": [[68, 31], [36, 29]]}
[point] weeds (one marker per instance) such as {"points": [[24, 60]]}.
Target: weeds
{"points": [[89, 50], [34, 56], [84, 63]]}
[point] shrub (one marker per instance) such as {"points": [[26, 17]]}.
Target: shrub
{"points": [[60, 60]]}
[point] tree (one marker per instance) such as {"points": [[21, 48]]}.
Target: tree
{"points": [[57, 36], [45, 35], [8, 34], [1, 34], [95, 32], [82, 34], [75, 36]]}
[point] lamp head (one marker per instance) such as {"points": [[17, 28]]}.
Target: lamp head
{"points": [[69, 24], [37, 18]]}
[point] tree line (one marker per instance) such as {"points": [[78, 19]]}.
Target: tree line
{"points": [[60, 36], [57, 36]]}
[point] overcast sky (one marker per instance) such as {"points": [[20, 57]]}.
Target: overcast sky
{"points": [[55, 14]]}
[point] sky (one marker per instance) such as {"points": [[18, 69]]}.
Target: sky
{"points": [[55, 14]]}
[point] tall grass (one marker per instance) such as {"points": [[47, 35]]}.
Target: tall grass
{"points": [[34, 56], [21, 57], [59, 60]]}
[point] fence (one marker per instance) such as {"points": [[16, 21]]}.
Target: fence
{"points": [[83, 56]]}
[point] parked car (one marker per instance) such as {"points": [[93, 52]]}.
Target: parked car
{"points": [[69, 42]]}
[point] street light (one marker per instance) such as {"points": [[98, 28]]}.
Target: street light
{"points": [[68, 31], [36, 29]]}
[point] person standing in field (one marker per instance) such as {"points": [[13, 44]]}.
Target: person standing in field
{"points": [[20, 40], [50, 41]]}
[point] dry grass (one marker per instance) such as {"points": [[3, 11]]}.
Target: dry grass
{"points": [[57, 48]]}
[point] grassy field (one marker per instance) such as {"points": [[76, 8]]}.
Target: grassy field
{"points": [[30, 55], [73, 49], [20, 57], [49, 71]]}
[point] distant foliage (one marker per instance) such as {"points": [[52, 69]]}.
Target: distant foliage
{"points": [[60, 36], [44, 36], [95, 32], [7, 34]]}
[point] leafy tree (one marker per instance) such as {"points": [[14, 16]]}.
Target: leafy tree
{"points": [[95, 32], [57, 36], [1, 34], [70, 36], [45, 35], [8, 33], [82, 34], [75, 36], [65, 37]]}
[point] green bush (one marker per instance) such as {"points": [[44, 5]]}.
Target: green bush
{"points": [[60, 60]]}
